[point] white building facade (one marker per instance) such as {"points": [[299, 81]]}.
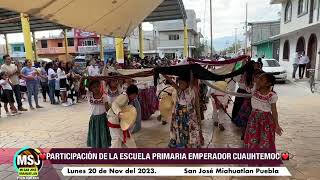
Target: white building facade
{"points": [[299, 31], [167, 38]]}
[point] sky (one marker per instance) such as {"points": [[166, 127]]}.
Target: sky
{"points": [[227, 15], [230, 14]]}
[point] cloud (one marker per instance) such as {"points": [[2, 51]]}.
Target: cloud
{"points": [[230, 14]]}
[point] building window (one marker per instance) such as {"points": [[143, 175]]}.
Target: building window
{"points": [[301, 44], [44, 43], [70, 42], [302, 7], [174, 37], [16, 49], [60, 44], [288, 12], [89, 42], [286, 51]]}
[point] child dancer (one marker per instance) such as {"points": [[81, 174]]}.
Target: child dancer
{"points": [[163, 91], [263, 121], [245, 110], [98, 133], [185, 129], [137, 126], [7, 95], [220, 104], [120, 137]]}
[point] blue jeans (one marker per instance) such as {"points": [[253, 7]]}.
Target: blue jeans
{"points": [[32, 89], [52, 84]]}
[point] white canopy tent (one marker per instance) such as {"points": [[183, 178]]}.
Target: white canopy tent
{"points": [[108, 17]]}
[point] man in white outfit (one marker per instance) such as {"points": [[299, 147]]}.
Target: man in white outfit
{"points": [[120, 137], [304, 60], [295, 64]]}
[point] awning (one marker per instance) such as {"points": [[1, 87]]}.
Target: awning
{"points": [[108, 17]]}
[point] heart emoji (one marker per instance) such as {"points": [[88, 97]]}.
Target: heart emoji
{"points": [[285, 156], [42, 156]]}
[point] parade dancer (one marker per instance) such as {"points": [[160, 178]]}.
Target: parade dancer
{"points": [[220, 102], [120, 137], [263, 121], [185, 129], [98, 133], [163, 91]]}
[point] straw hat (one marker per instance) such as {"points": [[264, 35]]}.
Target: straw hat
{"points": [[165, 106], [129, 115], [221, 85]]}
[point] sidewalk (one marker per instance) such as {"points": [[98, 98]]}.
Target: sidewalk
{"points": [[304, 83]]}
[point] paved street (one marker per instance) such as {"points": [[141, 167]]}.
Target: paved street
{"points": [[57, 126]]}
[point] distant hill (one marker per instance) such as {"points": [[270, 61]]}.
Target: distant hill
{"points": [[224, 42]]}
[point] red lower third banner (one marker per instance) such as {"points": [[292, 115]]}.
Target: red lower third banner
{"points": [[144, 156]]}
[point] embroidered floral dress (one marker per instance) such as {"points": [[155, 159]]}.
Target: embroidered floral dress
{"points": [[185, 130], [260, 132]]}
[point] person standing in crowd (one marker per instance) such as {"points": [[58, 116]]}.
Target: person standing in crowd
{"points": [[98, 132], [114, 115], [70, 79], [51, 81], [62, 76], [22, 83], [7, 94], [304, 60], [44, 81], [295, 64], [263, 121], [260, 62], [185, 129], [30, 74], [93, 69], [13, 73]]}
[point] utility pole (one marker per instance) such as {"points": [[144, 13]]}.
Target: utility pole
{"points": [[235, 41], [246, 41], [211, 37]]}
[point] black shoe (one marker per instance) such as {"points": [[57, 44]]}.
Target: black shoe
{"points": [[216, 124], [221, 127], [164, 122]]}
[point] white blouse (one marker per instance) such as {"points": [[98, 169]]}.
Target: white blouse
{"points": [[97, 106], [185, 97], [241, 81], [263, 102]]}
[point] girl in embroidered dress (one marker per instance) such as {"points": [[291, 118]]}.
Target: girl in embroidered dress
{"points": [[263, 121], [245, 110], [113, 90], [185, 129], [98, 133]]}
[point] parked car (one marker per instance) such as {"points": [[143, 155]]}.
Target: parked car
{"points": [[272, 66]]}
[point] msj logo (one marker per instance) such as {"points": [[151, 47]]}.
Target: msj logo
{"points": [[27, 161]]}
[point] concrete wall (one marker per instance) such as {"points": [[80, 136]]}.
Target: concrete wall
{"points": [[178, 24], [297, 22], [263, 31], [293, 39]]}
